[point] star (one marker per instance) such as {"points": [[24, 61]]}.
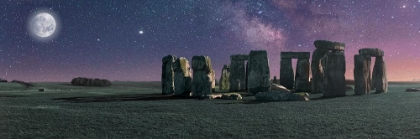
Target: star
{"points": [[141, 32]]}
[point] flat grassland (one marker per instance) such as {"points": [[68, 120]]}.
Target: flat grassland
{"points": [[137, 110]]}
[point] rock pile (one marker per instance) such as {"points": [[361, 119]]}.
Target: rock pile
{"points": [[82, 81]]}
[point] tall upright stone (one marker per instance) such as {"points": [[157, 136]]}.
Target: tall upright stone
{"points": [[258, 72], [361, 74], [182, 77], [202, 78], [286, 73], [213, 80], [237, 72], [379, 77], [224, 79], [302, 75], [318, 67], [318, 70], [334, 80], [167, 78]]}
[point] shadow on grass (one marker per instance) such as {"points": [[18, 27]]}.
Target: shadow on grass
{"points": [[10, 96], [114, 98]]}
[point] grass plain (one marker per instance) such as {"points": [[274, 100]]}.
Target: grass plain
{"points": [[137, 110]]}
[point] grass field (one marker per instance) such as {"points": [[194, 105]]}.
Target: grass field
{"points": [[137, 110]]}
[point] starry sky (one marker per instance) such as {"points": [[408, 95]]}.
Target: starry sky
{"points": [[126, 40]]}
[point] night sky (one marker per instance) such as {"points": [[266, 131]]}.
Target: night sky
{"points": [[126, 40]]}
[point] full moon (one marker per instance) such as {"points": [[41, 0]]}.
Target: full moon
{"points": [[43, 25]]}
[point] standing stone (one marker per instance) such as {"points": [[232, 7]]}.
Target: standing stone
{"points": [[302, 75], [213, 80], [317, 70], [202, 80], [275, 80], [237, 72], [369, 64], [361, 74], [380, 78], [286, 73], [258, 72], [182, 77], [224, 79], [246, 75], [334, 80], [167, 79]]}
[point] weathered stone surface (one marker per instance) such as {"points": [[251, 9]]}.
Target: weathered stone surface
{"points": [[302, 75], [259, 72], [239, 57], [224, 79], [232, 96], [299, 55], [318, 70], [237, 73], [275, 95], [361, 74], [213, 80], [279, 88], [182, 76], [334, 80], [202, 79], [374, 52], [329, 45], [412, 90], [167, 79], [286, 73], [380, 78]]}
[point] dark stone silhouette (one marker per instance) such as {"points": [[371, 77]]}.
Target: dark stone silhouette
{"points": [[182, 77], [361, 74], [376, 80], [286, 73], [202, 80], [258, 72], [82, 81], [224, 79], [334, 80], [167, 77], [237, 78], [379, 78]]}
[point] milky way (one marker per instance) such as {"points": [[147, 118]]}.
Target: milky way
{"points": [[102, 39]]}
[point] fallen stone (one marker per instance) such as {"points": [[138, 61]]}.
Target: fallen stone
{"points": [[279, 88], [412, 90], [232, 96], [259, 72], [374, 52], [273, 95]]}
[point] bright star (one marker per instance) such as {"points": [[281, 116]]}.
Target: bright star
{"points": [[141, 32]]}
